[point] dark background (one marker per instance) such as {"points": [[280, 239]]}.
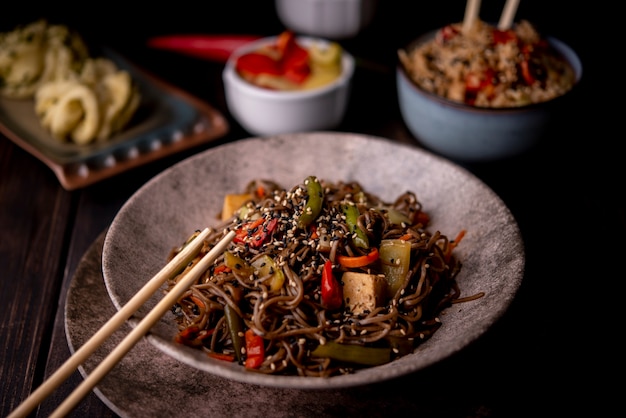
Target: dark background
{"points": [[565, 195], [591, 28]]}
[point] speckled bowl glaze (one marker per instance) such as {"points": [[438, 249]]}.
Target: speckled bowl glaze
{"points": [[188, 196], [262, 111], [467, 133], [334, 19]]}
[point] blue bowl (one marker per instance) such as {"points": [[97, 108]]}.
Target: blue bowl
{"points": [[467, 133]]}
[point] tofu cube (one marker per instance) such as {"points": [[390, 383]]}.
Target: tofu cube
{"points": [[363, 292], [232, 203]]}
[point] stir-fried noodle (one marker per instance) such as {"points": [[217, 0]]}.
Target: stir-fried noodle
{"points": [[269, 288]]}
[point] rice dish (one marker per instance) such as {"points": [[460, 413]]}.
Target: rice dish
{"points": [[487, 67]]}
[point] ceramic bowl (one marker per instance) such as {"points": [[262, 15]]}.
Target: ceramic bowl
{"points": [[334, 19], [189, 196], [261, 111], [467, 133]]}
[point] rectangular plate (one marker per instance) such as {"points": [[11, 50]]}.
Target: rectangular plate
{"points": [[167, 121]]}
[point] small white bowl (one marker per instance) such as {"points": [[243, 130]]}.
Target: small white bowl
{"points": [[262, 112], [470, 134], [334, 19]]}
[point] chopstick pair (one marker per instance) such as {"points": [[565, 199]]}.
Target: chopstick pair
{"points": [[506, 19], [180, 261]]}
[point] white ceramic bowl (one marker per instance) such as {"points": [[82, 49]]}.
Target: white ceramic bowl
{"points": [[334, 19], [467, 133], [268, 112]]}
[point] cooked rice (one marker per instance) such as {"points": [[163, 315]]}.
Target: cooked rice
{"points": [[453, 60]]}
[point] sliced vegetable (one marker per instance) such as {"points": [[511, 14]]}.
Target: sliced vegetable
{"points": [[193, 336], [314, 202], [294, 58], [395, 257], [367, 356], [453, 245], [255, 233], [255, 63], [255, 350], [221, 356], [504, 36], [235, 326], [266, 266], [359, 238], [234, 203], [360, 260], [332, 295], [325, 55], [237, 264], [395, 216]]}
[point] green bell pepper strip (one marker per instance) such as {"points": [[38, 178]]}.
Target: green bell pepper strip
{"points": [[395, 255], [314, 202], [367, 356], [235, 325], [359, 238]]}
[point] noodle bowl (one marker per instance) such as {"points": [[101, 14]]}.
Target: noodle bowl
{"points": [[271, 281]]}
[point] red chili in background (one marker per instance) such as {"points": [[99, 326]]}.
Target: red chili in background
{"points": [[293, 61], [256, 63]]}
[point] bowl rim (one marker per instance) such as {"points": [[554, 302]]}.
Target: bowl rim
{"points": [[566, 51], [231, 77]]}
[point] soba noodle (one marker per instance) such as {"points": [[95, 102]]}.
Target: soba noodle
{"points": [[301, 334]]}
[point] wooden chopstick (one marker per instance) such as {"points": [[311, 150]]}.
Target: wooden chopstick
{"points": [[472, 8], [508, 14], [181, 260]]}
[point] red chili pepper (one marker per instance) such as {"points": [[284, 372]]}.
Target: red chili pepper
{"points": [[293, 61], [255, 233], [193, 336], [422, 217], [454, 244], [256, 63], [526, 73], [358, 261], [260, 191], [446, 33], [332, 293], [255, 349], [504, 36], [221, 268], [475, 83], [212, 47], [221, 356]]}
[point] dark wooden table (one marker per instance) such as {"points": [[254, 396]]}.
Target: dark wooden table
{"points": [[566, 194]]}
